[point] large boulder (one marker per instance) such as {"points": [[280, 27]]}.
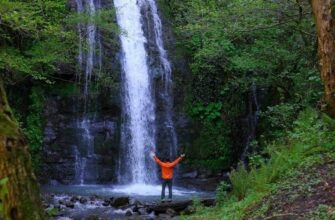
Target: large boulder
{"points": [[119, 202]]}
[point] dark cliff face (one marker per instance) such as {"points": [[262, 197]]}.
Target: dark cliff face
{"points": [[179, 77], [63, 137]]}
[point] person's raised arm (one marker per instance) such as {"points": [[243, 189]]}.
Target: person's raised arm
{"points": [[175, 162]]}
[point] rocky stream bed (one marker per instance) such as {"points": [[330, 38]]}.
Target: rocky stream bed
{"points": [[105, 202]]}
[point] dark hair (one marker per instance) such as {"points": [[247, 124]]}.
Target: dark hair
{"points": [[166, 159]]}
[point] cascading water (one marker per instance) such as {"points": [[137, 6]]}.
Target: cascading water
{"points": [[252, 119], [139, 107], [85, 59], [167, 78]]}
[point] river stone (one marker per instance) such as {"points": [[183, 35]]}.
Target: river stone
{"points": [[83, 200], [189, 210], [129, 213], [93, 217], [121, 201], [106, 202], [171, 212], [164, 217], [192, 175], [74, 199], [143, 211], [69, 204]]}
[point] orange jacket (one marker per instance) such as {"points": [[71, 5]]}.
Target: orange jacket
{"points": [[167, 168]]}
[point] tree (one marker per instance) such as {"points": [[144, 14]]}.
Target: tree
{"points": [[22, 198], [323, 10]]}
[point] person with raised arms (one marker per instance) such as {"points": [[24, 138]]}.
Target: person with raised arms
{"points": [[167, 173]]}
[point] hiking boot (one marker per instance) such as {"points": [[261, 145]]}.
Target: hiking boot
{"points": [[163, 200], [169, 200]]}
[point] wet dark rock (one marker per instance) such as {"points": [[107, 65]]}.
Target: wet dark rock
{"points": [[193, 174], [129, 213], [171, 212], [134, 208], [208, 202], [177, 206], [204, 184], [83, 200], [135, 202], [121, 201], [62, 141], [69, 204], [164, 217], [106, 202], [143, 211], [93, 217], [93, 198], [74, 199], [189, 210], [45, 205]]}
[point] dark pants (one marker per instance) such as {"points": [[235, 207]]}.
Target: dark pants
{"points": [[167, 182]]}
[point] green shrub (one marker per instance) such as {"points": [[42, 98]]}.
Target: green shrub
{"points": [[312, 133], [34, 124], [222, 192], [211, 148], [240, 180]]}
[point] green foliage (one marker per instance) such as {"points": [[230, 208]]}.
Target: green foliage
{"points": [[222, 192], [103, 19], [51, 212], [34, 39], [34, 124], [211, 148], [278, 119], [240, 180], [64, 89], [313, 134], [209, 112], [231, 45], [324, 212], [3, 193]]}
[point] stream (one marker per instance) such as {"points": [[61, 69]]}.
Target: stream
{"points": [[80, 202]]}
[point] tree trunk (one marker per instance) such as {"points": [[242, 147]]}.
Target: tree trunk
{"points": [[22, 200], [324, 20]]}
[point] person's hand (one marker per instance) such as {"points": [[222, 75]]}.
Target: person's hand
{"points": [[182, 155], [152, 154]]}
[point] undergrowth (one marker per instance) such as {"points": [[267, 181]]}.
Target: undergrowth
{"points": [[313, 134]]}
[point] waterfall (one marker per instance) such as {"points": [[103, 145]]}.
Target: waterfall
{"points": [[166, 70], [251, 119], [139, 106], [138, 133], [86, 61]]}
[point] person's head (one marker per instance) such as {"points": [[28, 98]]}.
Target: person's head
{"points": [[166, 159]]}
